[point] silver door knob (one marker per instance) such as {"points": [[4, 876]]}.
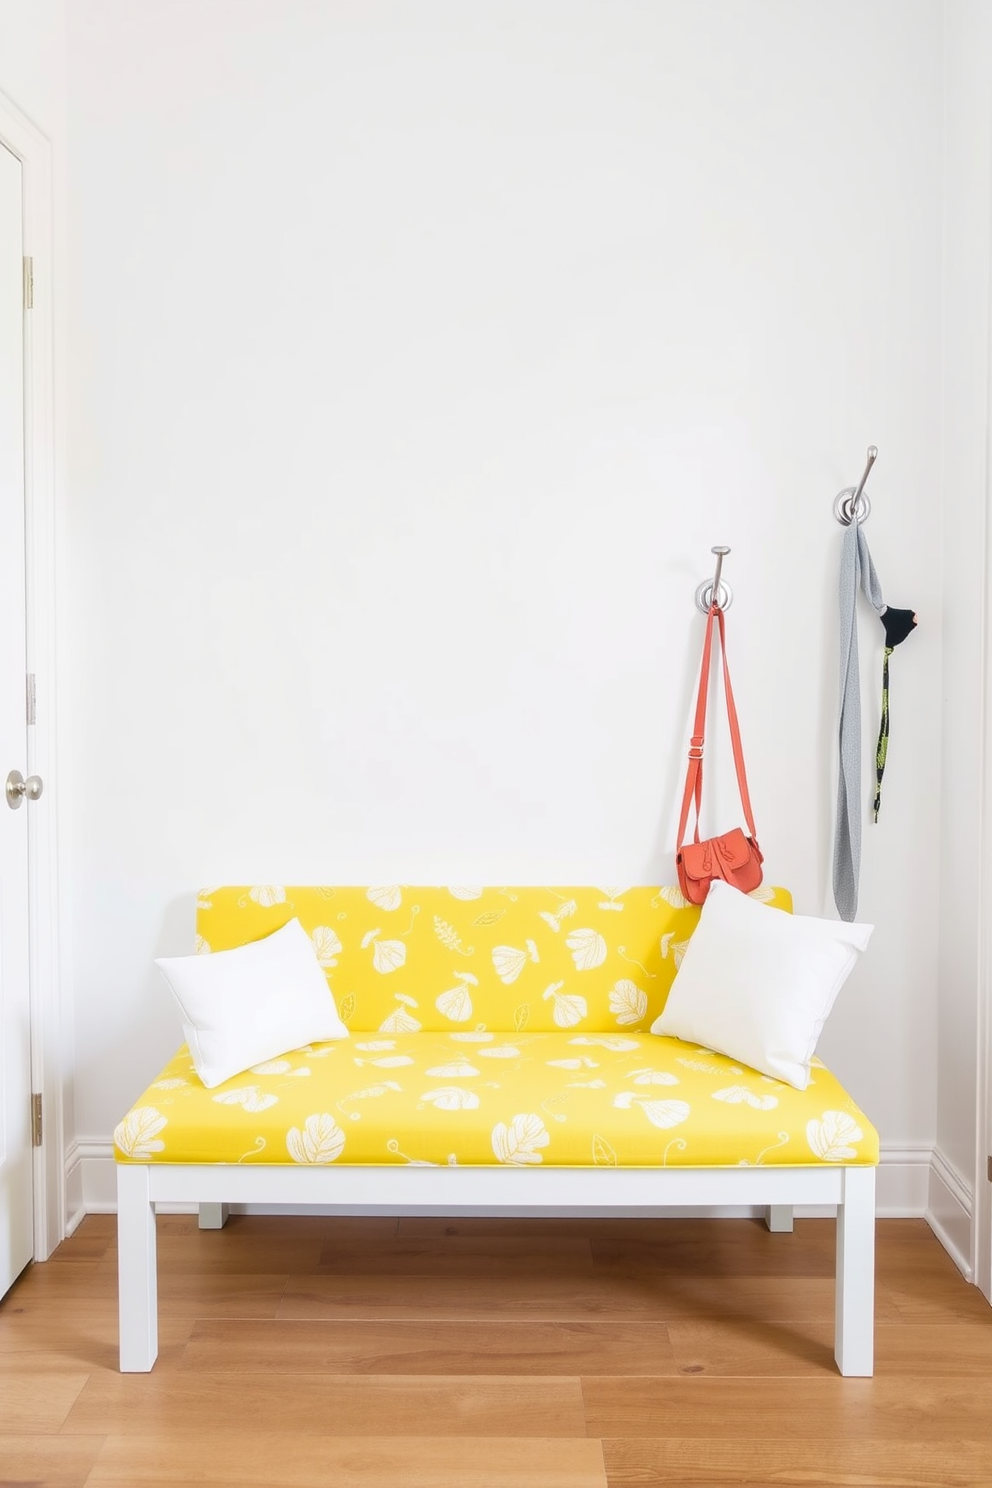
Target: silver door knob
{"points": [[18, 788]]}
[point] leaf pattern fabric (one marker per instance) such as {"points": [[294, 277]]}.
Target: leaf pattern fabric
{"points": [[266, 895], [452, 1098], [519, 1142], [588, 949], [568, 1008], [736, 1095], [488, 1026], [664, 1113], [508, 962], [600, 1100], [834, 1137], [481, 957], [388, 955], [320, 1141], [249, 1097], [456, 1003], [655, 1077], [136, 1137], [400, 1020], [327, 946], [628, 1003], [385, 898]]}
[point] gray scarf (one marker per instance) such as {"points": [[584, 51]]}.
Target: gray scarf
{"points": [[856, 568]]}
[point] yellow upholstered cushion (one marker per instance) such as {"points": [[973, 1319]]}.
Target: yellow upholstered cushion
{"points": [[400, 959], [483, 1098]]}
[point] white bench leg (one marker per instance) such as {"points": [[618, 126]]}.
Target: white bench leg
{"points": [[854, 1331], [213, 1216], [778, 1218], [137, 1270]]}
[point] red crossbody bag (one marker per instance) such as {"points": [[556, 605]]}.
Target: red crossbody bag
{"points": [[734, 857]]}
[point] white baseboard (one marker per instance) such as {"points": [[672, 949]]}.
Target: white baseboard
{"points": [[949, 1211], [901, 1185], [902, 1188], [90, 1179]]}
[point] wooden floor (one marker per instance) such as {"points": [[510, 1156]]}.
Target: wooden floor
{"points": [[434, 1353]]}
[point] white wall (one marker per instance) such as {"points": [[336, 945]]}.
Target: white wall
{"points": [[33, 61], [958, 1175], [419, 355]]}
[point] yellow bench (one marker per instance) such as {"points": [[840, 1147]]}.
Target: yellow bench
{"points": [[499, 1055]]}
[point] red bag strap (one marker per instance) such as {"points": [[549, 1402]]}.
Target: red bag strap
{"points": [[694, 774]]}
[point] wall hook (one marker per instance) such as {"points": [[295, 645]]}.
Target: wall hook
{"points": [[851, 504], [713, 591]]}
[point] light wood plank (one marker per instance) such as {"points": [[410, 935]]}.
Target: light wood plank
{"points": [[84, 1337], [249, 1460], [533, 1348], [382, 1296], [813, 1461], [37, 1404], [89, 1242], [300, 1227], [92, 1347], [925, 1298], [815, 1233], [66, 1277], [910, 1244], [900, 1409], [47, 1461], [366, 1405], [460, 1255], [770, 1255], [71, 1280], [954, 1350], [56, 1296], [753, 1347], [753, 1338], [645, 1295], [741, 1348], [219, 1295], [332, 1227], [213, 1252]]}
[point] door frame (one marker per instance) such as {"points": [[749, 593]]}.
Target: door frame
{"points": [[981, 1216], [981, 1228], [48, 1024]]}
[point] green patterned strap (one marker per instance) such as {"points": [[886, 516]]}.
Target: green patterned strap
{"points": [[882, 747]]}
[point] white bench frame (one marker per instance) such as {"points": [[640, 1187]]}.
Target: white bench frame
{"points": [[449, 1189]]}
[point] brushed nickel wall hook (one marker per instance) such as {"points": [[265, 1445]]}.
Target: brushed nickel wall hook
{"points": [[713, 591], [851, 504]]}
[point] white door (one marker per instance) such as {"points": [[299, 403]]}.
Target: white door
{"points": [[16, 1156]]}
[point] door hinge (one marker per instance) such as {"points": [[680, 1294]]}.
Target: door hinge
{"points": [[36, 1127], [31, 699], [989, 1169], [29, 284]]}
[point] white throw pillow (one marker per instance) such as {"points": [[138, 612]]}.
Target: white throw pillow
{"points": [[241, 1007], [757, 984]]}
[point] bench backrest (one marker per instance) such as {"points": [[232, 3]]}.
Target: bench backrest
{"points": [[402, 958]]}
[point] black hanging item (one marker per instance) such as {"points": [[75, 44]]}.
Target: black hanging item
{"points": [[898, 624]]}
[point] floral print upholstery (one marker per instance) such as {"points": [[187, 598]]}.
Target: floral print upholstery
{"points": [[488, 1026]]}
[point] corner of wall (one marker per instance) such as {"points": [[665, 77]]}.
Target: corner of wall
{"points": [[949, 1211]]}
